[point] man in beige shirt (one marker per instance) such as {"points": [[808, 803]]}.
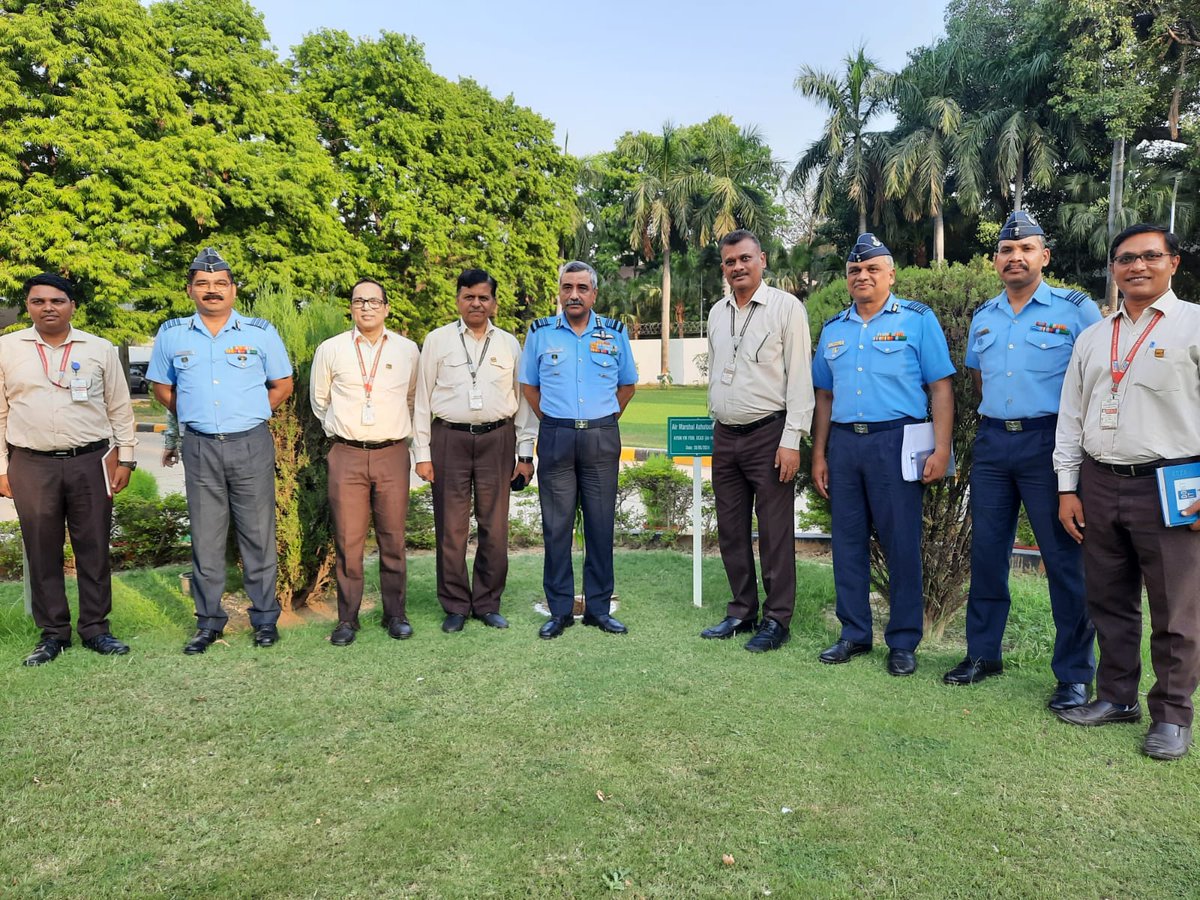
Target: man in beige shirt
{"points": [[363, 385], [760, 392], [1131, 405], [466, 439], [63, 397]]}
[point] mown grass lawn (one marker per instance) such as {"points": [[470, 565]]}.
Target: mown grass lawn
{"points": [[492, 764], [644, 422]]}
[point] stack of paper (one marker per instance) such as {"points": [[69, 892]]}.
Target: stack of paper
{"points": [[917, 448], [1178, 488]]}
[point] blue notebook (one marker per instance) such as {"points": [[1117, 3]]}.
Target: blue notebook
{"points": [[1178, 488]]}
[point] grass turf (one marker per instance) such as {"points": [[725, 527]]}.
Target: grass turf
{"points": [[644, 422], [492, 764]]}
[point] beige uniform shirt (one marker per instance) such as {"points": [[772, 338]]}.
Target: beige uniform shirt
{"points": [[772, 369], [1159, 397], [38, 414], [444, 384], [338, 391]]}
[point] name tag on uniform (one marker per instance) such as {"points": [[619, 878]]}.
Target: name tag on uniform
{"points": [[475, 397], [1109, 408], [79, 390]]}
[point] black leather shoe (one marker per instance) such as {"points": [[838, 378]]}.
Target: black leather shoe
{"points": [[343, 635], [398, 627], [605, 623], [47, 650], [1101, 712], [1069, 695], [200, 640], [106, 645], [266, 636], [555, 626], [771, 636], [971, 670], [1164, 741], [453, 622], [728, 627], [901, 662], [492, 620], [843, 651]]}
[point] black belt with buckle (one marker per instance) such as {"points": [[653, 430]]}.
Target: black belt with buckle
{"points": [[364, 445], [875, 427], [224, 436], [755, 425], [68, 454], [1140, 470], [1037, 423], [579, 424], [470, 428]]}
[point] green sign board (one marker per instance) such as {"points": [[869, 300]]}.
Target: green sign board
{"points": [[689, 436]]}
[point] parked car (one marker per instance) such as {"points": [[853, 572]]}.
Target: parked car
{"points": [[137, 378]]}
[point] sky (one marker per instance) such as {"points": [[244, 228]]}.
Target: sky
{"points": [[598, 70]]}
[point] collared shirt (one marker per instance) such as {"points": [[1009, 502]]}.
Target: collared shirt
{"points": [[338, 390], [38, 414], [578, 374], [1158, 398], [444, 384], [772, 370], [1022, 358], [877, 369], [220, 380]]}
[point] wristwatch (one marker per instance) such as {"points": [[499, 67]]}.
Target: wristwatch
{"points": [[525, 459], [128, 463]]}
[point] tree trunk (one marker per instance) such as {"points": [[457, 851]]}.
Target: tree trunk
{"points": [[1116, 194], [1019, 191], [665, 334], [939, 238], [862, 221]]}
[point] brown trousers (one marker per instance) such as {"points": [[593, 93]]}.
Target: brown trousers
{"points": [[1126, 543], [48, 492], [463, 464], [745, 482], [365, 484]]}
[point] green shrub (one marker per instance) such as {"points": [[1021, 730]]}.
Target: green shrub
{"points": [[665, 492], [141, 484], [418, 527], [148, 531], [11, 558]]}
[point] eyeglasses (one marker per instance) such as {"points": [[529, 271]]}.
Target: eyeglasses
{"points": [[370, 303], [56, 302], [1150, 257], [212, 285]]}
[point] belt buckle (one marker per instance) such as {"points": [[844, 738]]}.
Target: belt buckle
{"points": [[218, 437], [861, 428], [581, 424], [478, 429], [1013, 425]]}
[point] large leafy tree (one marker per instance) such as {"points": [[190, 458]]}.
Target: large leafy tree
{"points": [[441, 176], [843, 158]]}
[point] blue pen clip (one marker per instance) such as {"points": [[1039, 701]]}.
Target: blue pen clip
{"points": [[74, 367]]}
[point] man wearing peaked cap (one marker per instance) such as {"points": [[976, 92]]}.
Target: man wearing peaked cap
{"points": [[1018, 348], [881, 364], [223, 374]]}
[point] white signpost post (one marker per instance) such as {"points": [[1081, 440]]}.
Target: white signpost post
{"points": [[692, 436]]}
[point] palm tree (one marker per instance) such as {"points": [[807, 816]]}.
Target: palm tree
{"points": [[840, 155], [740, 177], [661, 204]]}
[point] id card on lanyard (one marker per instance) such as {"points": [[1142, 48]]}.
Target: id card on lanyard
{"points": [[78, 385], [1110, 407], [731, 367], [368, 411], [475, 397]]}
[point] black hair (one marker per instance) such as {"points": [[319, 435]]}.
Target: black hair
{"points": [[382, 289], [49, 279], [472, 277], [739, 235], [1170, 237]]}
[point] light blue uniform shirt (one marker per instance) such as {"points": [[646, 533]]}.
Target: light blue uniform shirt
{"points": [[578, 375], [221, 381], [877, 369], [1023, 358]]}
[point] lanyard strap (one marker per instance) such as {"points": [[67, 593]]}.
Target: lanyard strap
{"points": [[62, 370], [472, 364], [737, 339], [1119, 369], [368, 380]]}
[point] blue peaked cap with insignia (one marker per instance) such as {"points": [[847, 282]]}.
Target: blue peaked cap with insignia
{"points": [[209, 260], [1019, 225], [867, 247]]}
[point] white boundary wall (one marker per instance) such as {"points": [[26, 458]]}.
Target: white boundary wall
{"points": [[647, 354]]}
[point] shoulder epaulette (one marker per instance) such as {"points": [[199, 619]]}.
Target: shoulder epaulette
{"points": [[258, 323], [174, 323], [541, 323], [616, 326], [915, 306], [1076, 297], [837, 315], [977, 309]]}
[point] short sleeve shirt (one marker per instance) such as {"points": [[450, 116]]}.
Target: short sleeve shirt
{"points": [[578, 375]]}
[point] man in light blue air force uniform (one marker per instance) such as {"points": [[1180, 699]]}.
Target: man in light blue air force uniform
{"points": [[872, 367], [577, 374], [1017, 352], [223, 374]]}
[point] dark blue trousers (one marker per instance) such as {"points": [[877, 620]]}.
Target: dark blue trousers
{"points": [[1011, 468], [866, 490], [578, 469]]}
